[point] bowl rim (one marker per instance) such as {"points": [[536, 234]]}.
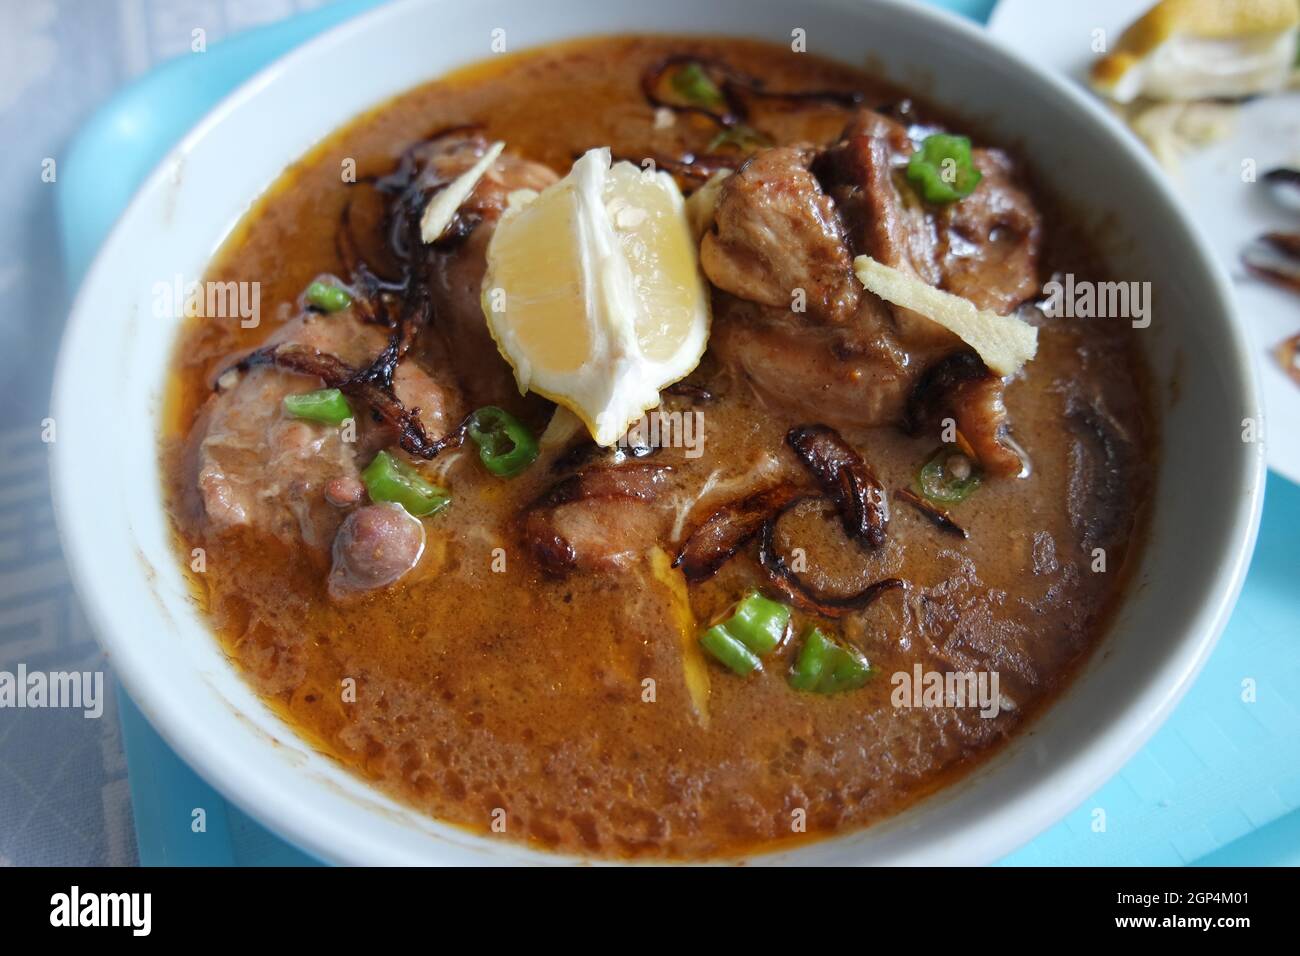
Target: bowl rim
{"points": [[306, 825]]}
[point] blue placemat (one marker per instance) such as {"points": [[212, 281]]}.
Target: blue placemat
{"points": [[1220, 782]]}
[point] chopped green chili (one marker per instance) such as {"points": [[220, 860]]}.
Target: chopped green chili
{"points": [[327, 297], [827, 667], [948, 477], [505, 446], [729, 651], [942, 169], [807, 672], [756, 626], [693, 83], [388, 478], [326, 405], [759, 623]]}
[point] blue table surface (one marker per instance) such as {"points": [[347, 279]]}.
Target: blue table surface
{"points": [[1218, 784]]}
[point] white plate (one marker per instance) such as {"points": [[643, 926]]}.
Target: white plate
{"points": [[1227, 211]]}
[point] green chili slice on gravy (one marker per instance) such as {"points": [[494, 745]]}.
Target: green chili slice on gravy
{"points": [[948, 477], [505, 445], [388, 478], [826, 666], [756, 627]]}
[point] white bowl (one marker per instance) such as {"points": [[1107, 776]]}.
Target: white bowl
{"points": [[105, 464]]}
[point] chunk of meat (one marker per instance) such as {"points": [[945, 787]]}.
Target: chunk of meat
{"points": [[853, 360], [846, 376], [375, 546], [981, 417], [256, 466], [599, 519], [357, 343], [984, 247], [989, 242], [456, 271], [776, 232], [887, 220]]}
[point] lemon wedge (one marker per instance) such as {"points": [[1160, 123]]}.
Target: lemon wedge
{"points": [[593, 292]]}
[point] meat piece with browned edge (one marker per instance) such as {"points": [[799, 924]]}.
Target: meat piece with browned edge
{"points": [[984, 247], [255, 465], [456, 270], [794, 218], [777, 235], [598, 519]]}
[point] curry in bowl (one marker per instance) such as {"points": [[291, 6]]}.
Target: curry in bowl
{"points": [[657, 447]]}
